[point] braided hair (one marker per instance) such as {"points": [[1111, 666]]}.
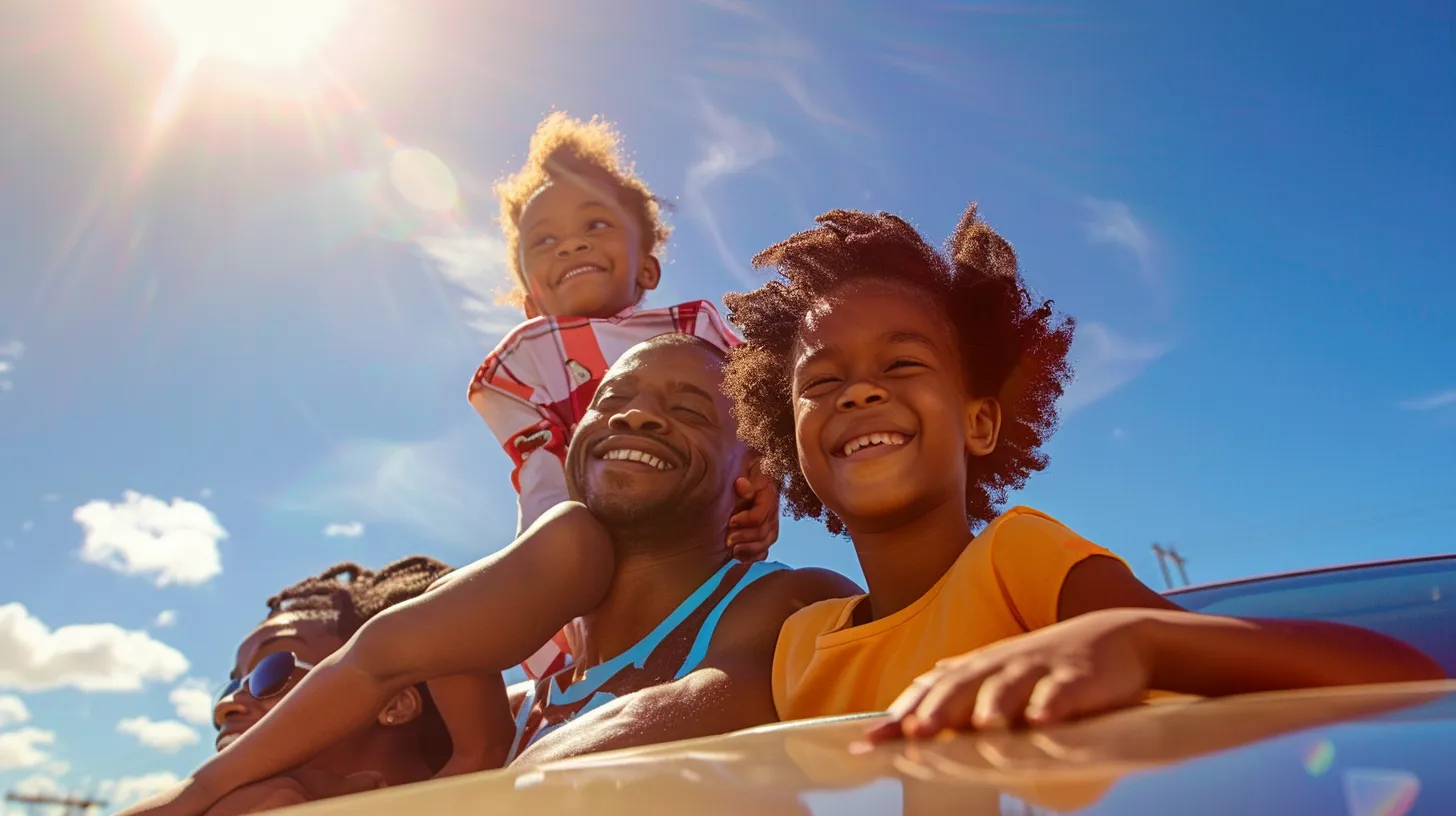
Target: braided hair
{"points": [[351, 595], [1012, 347]]}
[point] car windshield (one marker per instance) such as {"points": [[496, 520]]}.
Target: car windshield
{"points": [[1412, 601]]}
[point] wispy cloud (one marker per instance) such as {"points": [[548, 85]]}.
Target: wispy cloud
{"points": [[10, 352], [783, 57], [447, 488], [474, 264], [731, 146], [1431, 402], [352, 529], [1104, 362], [167, 736], [1112, 222]]}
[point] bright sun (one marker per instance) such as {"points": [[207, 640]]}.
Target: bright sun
{"points": [[259, 32]]}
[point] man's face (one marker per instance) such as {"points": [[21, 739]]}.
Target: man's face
{"points": [[659, 440]]}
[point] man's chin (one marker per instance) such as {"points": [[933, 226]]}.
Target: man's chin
{"points": [[614, 509]]}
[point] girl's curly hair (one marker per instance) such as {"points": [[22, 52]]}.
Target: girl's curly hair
{"points": [[1013, 346], [351, 595], [567, 148]]}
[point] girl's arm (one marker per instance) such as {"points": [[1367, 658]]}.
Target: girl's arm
{"points": [[488, 617], [477, 713]]}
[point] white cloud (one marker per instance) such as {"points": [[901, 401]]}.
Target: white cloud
{"points": [[143, 535], [1104, 362], [165, 619], [12, 350], [193, 701], [23, 748], [27, 526], [51, 497], [352, 529], [1119, 434], [88, 657], [732, 146], [130, 789], [1112, 222], [12, 711], [38, 785], [474, 263], [1430, 402], [449, 488], [205, 493], [168, 736]]}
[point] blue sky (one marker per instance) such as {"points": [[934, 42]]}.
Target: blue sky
{"points": [[240, 302]]}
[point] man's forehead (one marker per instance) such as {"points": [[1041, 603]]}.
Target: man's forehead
{"points": [[669, 365]]}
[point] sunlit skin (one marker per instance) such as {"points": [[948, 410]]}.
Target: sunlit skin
{"points": [[878, 360], [258, 32], [582, 253], [312, 636]]}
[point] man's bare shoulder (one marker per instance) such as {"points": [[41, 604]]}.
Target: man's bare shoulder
{"points": [[761, 609]]}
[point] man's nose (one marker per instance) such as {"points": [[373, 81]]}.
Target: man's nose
{"points": [[862, 394], [639, 419], [571, 245]]}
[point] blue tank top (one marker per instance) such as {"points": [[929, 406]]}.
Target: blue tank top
{"points": [[670, 652]]}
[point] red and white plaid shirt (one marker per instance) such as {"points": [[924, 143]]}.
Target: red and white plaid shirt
{"points": [[534, 388]]}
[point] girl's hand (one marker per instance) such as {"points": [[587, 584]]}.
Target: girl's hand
{"points": [[754, 526], [1079, 667]]}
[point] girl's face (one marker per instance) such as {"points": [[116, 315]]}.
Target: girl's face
{"points": [[581, 252], [882, 418], [310, 637]]}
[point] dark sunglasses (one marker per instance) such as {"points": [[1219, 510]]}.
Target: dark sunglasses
{"points": [[267, 679]]}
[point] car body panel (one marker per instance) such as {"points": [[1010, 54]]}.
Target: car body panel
{"points": [[1363, 751]]}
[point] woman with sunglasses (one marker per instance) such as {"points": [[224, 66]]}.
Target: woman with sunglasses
{"points": [[306, 623]]}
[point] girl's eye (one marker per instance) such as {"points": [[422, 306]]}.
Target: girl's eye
{"points": [[817, 386], [598, 224], [543, 241], [900, 364]]}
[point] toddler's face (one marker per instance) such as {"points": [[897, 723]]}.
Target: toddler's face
{"points": [[581, 252]]}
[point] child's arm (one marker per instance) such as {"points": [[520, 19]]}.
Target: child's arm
{"points": [[1117, 639], [754, 526], [477, 714], [560, 569]]}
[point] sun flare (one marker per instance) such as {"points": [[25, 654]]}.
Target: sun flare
{"points": [[257, 32]]}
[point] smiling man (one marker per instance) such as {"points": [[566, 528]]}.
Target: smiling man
{"points": [[676, 637], [682, 644]]}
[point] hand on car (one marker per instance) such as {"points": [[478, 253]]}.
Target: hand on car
{"points": [[1089, 664]]}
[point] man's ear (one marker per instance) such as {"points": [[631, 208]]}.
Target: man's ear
{"points": [[650, 274], [983, 425], [405, 707]]}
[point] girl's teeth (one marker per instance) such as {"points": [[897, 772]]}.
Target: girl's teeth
{"points": [[873, 439]]}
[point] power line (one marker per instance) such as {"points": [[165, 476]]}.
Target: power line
{"points": [[41, 803]]}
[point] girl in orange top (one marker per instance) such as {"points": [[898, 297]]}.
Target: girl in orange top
{"points": [[898, 394]]}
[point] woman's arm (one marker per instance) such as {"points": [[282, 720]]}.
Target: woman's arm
{"points": [[489, 617]]}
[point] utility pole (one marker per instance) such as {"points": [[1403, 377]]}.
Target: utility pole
{"points": [[1179, 560], [41, 803], [1163, 565]]}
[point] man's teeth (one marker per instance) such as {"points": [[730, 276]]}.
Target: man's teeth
{"points": [[637, 456], [873, 439]]}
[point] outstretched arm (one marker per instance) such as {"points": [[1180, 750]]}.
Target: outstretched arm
{"points": [[559, 569], [1212, 655], [733, 689], [1116, 639]]}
